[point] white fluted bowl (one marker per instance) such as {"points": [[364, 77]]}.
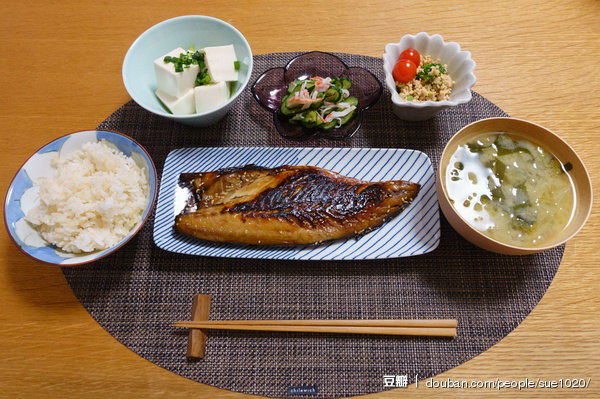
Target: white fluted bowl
{"points": [[460, 68]]}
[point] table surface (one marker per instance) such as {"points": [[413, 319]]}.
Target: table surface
{"points": [[61, 72]]}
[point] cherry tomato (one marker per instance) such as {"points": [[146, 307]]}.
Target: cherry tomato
{"points": [[404, 71], [411, 54]]}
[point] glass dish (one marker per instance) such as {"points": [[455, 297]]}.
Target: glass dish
{"points": [[270, 88]]}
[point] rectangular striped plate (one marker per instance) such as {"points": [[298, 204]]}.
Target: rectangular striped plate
{"points": [[415, 231]]}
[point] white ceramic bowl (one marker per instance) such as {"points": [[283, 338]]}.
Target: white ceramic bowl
{"points": [[190, 30], [23, 194], [460, 68]]}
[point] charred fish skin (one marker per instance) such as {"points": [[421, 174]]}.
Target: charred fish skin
{"points": [[288, 205], [311, 199]]}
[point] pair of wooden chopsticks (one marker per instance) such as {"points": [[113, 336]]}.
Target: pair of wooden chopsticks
{"points": [[432, 328], [200, 323]]}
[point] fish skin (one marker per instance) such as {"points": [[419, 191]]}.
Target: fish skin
{"points": [[288, 205]]}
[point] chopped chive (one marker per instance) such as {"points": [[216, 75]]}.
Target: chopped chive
{"points": [[202, 78], [425, 74], [409, 98], [185, 60], [236, 65]]}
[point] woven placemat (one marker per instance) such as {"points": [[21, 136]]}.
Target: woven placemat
{"points": [[138, 291]]}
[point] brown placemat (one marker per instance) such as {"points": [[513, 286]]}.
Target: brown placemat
{"points": [[138, 291]]}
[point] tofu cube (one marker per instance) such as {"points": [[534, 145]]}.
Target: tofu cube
{"points": [[183, 105], [175, 84], [210, 96], [220, 63]]}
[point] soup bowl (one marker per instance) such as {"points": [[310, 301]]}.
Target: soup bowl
{"points": [[536, 134]]}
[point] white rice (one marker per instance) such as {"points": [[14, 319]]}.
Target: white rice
{"points": [[96, 196]]}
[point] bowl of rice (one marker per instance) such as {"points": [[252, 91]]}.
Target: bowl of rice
{"points": [[80, 197], [446, 77]]}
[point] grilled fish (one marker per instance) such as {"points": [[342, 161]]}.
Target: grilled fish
{"points": [[288, 205]]}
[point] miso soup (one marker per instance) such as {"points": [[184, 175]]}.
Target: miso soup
{"points": [[511, 189]]}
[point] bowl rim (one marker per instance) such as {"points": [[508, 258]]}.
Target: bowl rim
{"points": [[522, 250], [109, 251], [429, 103], [231, 99]]}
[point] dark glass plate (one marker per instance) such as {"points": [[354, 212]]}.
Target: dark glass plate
{"points": [[270, 88]]}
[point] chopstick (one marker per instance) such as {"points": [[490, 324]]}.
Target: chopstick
{"points": [[439, 328], [434, 323]]}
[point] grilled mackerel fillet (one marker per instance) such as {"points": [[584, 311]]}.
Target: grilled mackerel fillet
{"points": [[288, 205]]}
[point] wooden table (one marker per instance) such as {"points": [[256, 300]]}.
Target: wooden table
{"points": [[61, 72]]}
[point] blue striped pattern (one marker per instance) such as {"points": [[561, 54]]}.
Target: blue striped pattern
{"points": [[415, 231]]}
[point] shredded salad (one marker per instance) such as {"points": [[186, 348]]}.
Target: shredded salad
{"points": [[319, 102]]}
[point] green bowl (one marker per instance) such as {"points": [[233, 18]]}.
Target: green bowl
{"points": [[190, 30]]}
